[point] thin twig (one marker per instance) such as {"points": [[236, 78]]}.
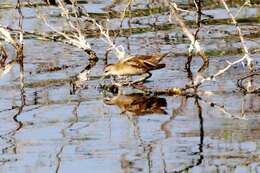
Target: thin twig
{"points": [[248, 58], [194, 43], [77, 38]]}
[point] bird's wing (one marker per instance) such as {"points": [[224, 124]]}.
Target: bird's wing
{"points": [[127, 59], [139, 99], [149, 64], [139, 61], [155, 58], [142, 64]]}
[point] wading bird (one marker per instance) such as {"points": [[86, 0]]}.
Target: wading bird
{"points": [[135, 65]]}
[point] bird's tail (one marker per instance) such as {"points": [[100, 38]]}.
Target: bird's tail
{"points": [[159, 66], [165, 54], [160, 57]]}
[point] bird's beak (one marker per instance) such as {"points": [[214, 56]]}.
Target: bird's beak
{"points": [[107, 101], [103, 77]]}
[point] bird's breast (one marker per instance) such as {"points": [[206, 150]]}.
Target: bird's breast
{"points": [[128, 70]]}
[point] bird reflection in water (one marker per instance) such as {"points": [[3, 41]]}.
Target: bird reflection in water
{"points": [[54, 2], [138, 104]]}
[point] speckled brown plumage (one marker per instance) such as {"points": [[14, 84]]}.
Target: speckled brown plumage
{"points": [[135, 65]]}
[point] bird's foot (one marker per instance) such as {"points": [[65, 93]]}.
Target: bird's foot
{"points": [[141, 80]]}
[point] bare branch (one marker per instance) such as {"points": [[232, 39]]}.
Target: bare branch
{"points": [[4, 55], [77, 38], [119, 50], [247, 56], [194, 43]]}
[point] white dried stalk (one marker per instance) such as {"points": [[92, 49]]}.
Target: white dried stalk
{"points": [[77, 39], [247, 56], [124, 12], [6, 35], [194, 43], [200, 79], [119, 50], [6, 69], [223, 110]]}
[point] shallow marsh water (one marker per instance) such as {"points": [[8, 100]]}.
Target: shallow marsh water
{"points": [[61, 131]]}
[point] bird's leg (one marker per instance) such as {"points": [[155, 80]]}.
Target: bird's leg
{"points": [[113, 79], [127, 79], [123, 79], [145, 77]]}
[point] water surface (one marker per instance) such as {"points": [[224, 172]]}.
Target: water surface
{"points": [[62, 131]]}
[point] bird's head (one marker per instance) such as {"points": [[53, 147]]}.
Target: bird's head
{"points": [[108, 70]]}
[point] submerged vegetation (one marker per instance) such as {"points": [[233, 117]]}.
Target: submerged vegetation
{"points": [[152, 59]]}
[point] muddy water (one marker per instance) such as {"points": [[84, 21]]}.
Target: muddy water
{"points": [[87, 131]]}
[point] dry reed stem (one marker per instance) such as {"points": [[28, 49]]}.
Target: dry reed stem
{"points": [[4, 55], [201, 79], [247, 55], [222, 109], [119, 50], [19, 52], [194, 43], [18, 46], [192, 37], [6, 35], [128, 7], [248, 76], [77, 38]]}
